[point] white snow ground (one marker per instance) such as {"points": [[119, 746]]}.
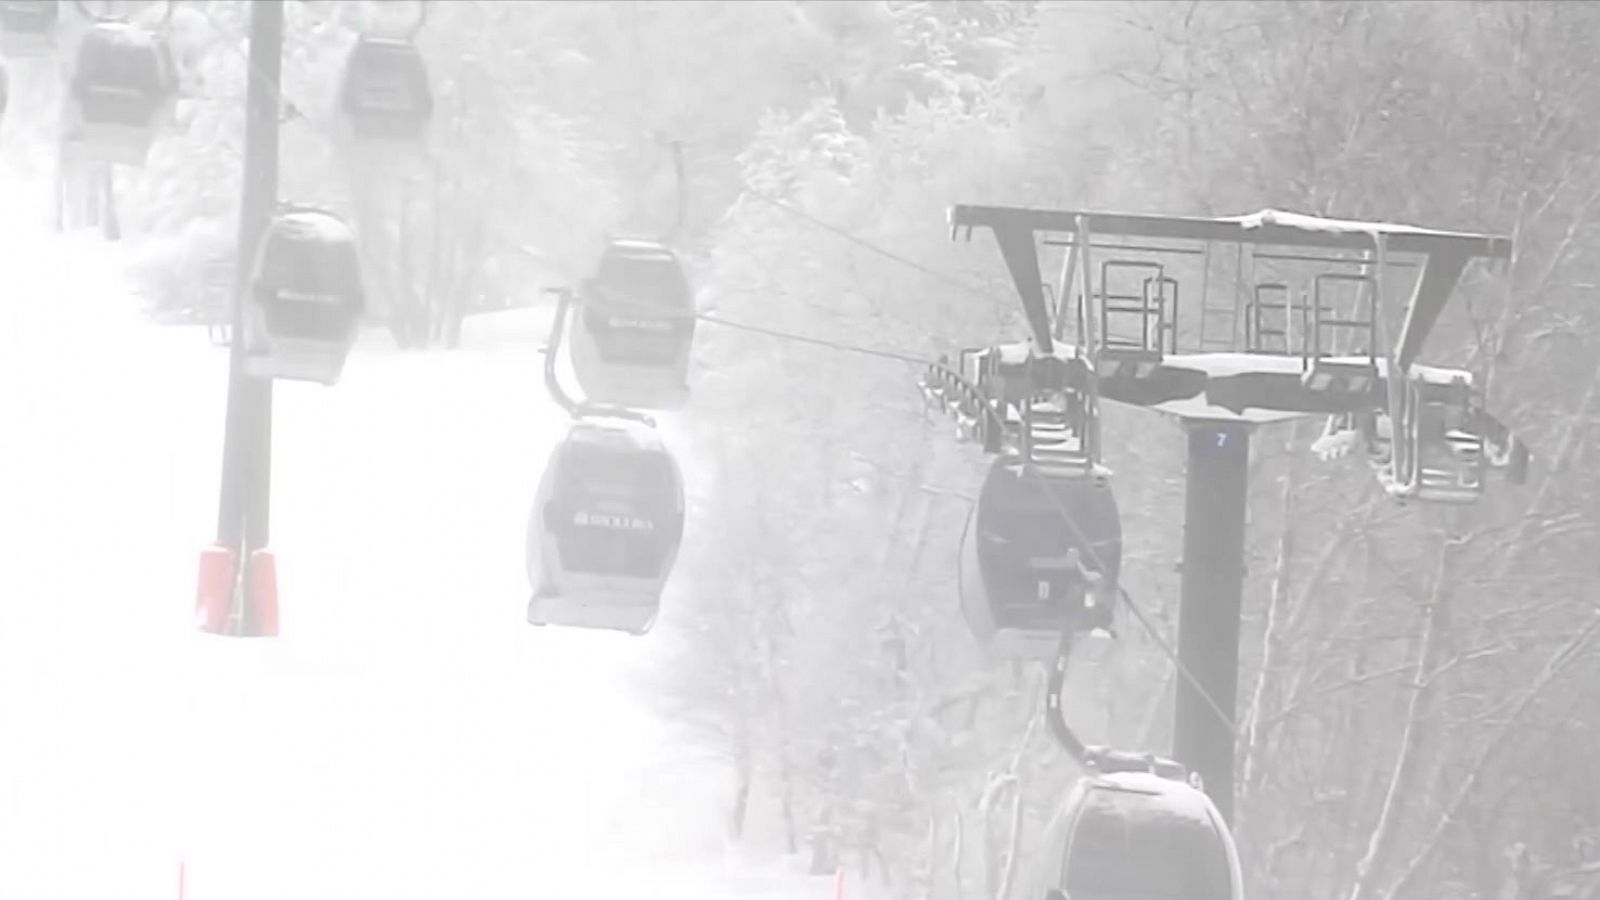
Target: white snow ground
{"points": [[408, 736]]}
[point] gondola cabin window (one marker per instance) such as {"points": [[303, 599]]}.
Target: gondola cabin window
{"points": [[29, 15], [309, 282], [27, 27], [640, 307], [1035, 536], [386, 93], [616, 511], [1130, 844], [1037, 578], [385, 89], [120, 78], [634, 329]]}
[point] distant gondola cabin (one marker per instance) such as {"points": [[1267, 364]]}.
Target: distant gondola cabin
{"points": [[1040, 555], [634, 331], [306, 298], [605, 529], [27, 27], [120, 95], [385, 94], [1137, 836]]}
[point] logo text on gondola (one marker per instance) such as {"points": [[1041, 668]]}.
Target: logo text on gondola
{"points": [[289, 296], [612, 520], [655, 325]]}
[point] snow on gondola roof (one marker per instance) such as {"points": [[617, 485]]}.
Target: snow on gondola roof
{"points": [[1170, 799], [639, 247], [121, 34], [616, 432], [313, 226], [386, 43]]}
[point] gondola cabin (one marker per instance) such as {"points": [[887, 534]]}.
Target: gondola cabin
{"points": [[384, 93], [121, 94], [635, 327], [305, 298], [605, 529], [28, 27], [1137, 836], [1026, 572]]}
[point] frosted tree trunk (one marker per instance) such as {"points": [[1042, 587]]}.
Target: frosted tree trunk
{"points": [[741, 794], [1402, 779], [1270, 635], [1511, 726]]}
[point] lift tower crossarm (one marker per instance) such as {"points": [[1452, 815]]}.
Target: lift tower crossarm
{"points": [[1273, 227], [1447, 252]]}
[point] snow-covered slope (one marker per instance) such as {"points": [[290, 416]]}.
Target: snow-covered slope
{"points": [[407, 736]]}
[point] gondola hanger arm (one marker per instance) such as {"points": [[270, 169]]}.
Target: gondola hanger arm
{"points": [[1098, 757], [577, 409], [1054, 710]]}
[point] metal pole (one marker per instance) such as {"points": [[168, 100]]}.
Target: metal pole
{"points": [[111, 226], [1217, 493], [244, 507]]}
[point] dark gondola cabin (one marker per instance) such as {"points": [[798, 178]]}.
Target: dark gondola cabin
{"points": [[1026, 573], [28, 27], [635, 327], [384, 92], [605, 529], [305, 299], [120, 95], [1137, 836]]}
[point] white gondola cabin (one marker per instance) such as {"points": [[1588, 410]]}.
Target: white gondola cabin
{"points": [[305, 298], [605, 529], [122, 93], [1137, 836], [635, 327], [1026, 573], [28, 27], [384, 91]]}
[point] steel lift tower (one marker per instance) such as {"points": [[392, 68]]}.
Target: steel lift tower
{"points": [[1227, 324]]}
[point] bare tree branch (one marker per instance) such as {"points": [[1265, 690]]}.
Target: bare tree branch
{"points": [[1571, 652]]}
